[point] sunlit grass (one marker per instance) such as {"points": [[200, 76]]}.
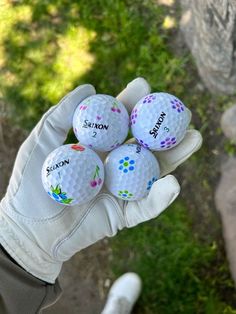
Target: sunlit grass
{"points": [[73, 61], [8, 17], [39, 62], [168, 3], [169, 22], [73, 58]]}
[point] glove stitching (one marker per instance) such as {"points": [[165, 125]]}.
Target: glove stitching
{"points": [[41, 263], [78, 225], [41, 124], [6, 229], [33, 221]]}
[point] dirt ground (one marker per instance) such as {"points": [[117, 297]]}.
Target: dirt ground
{"points": [[83, 280]]}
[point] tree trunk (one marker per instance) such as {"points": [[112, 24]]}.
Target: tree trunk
{"points": [[209, 27]]}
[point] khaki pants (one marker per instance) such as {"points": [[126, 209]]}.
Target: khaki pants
{"points": [[21, 292]]}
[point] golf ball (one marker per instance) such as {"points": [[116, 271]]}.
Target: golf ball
{"points": [[159, 121], [130, 171], [101, 122], [72, 174]]}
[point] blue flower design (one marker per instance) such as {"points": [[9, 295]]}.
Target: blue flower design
{"points": [[125, 194], [150, 183], [126, 164], [59, 196]]}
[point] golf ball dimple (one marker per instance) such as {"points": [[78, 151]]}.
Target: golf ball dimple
{"points": [[130, 171], [159, 121], [72, 174], [101, 122]]}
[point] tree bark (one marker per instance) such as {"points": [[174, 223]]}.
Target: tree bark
{"points": [[209, 28]]}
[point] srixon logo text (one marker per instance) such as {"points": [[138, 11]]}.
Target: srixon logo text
{"points": [[92, 125], [138, 149], [57, 166], [154, 131]]}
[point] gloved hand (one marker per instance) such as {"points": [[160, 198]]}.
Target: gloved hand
{"points": [[41, 234]]}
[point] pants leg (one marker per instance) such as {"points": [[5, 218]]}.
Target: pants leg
{"points": [[21, 292]]}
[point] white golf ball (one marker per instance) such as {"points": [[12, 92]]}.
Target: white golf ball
{"points": [[159, 121], [101, 122], [72, 174], [130, 171]]}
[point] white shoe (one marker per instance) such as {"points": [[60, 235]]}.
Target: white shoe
{"points": [[123, 294]]}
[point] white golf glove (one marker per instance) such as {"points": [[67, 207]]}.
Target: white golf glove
{"points": [[41, 234]]}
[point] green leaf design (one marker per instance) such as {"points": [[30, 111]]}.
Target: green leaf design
{"points": [[67, 201], [57, 189], [96, 173]]}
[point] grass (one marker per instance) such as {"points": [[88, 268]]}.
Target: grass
{"points": [[180, 273], [49, 47]]}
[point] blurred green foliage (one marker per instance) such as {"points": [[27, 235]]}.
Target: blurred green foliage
{"points": [[49, 47], [230, 148], [180, 273]]}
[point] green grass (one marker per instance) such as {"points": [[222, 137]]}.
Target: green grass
{"points": [[180, 273], [230, 148], [49, 47]]}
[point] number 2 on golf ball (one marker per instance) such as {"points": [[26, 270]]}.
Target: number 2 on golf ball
{"points": [[101, 122]]}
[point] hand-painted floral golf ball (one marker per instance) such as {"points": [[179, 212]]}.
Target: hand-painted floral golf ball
{"points": [[72, 174], [130, 171], [159, 121], [101, 122]]}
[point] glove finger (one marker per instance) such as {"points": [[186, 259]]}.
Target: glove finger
{"points": [[133, 92], [170, 159], [162, 194], [49, 133], [52, 129]]}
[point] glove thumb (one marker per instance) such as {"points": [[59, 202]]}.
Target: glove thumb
{"points": [[162, 194]]}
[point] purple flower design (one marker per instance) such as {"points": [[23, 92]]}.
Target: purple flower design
{"points": [[148, 99], [168, 142], [133, 117], [177, 105], [115, 145], [141, 142]]}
